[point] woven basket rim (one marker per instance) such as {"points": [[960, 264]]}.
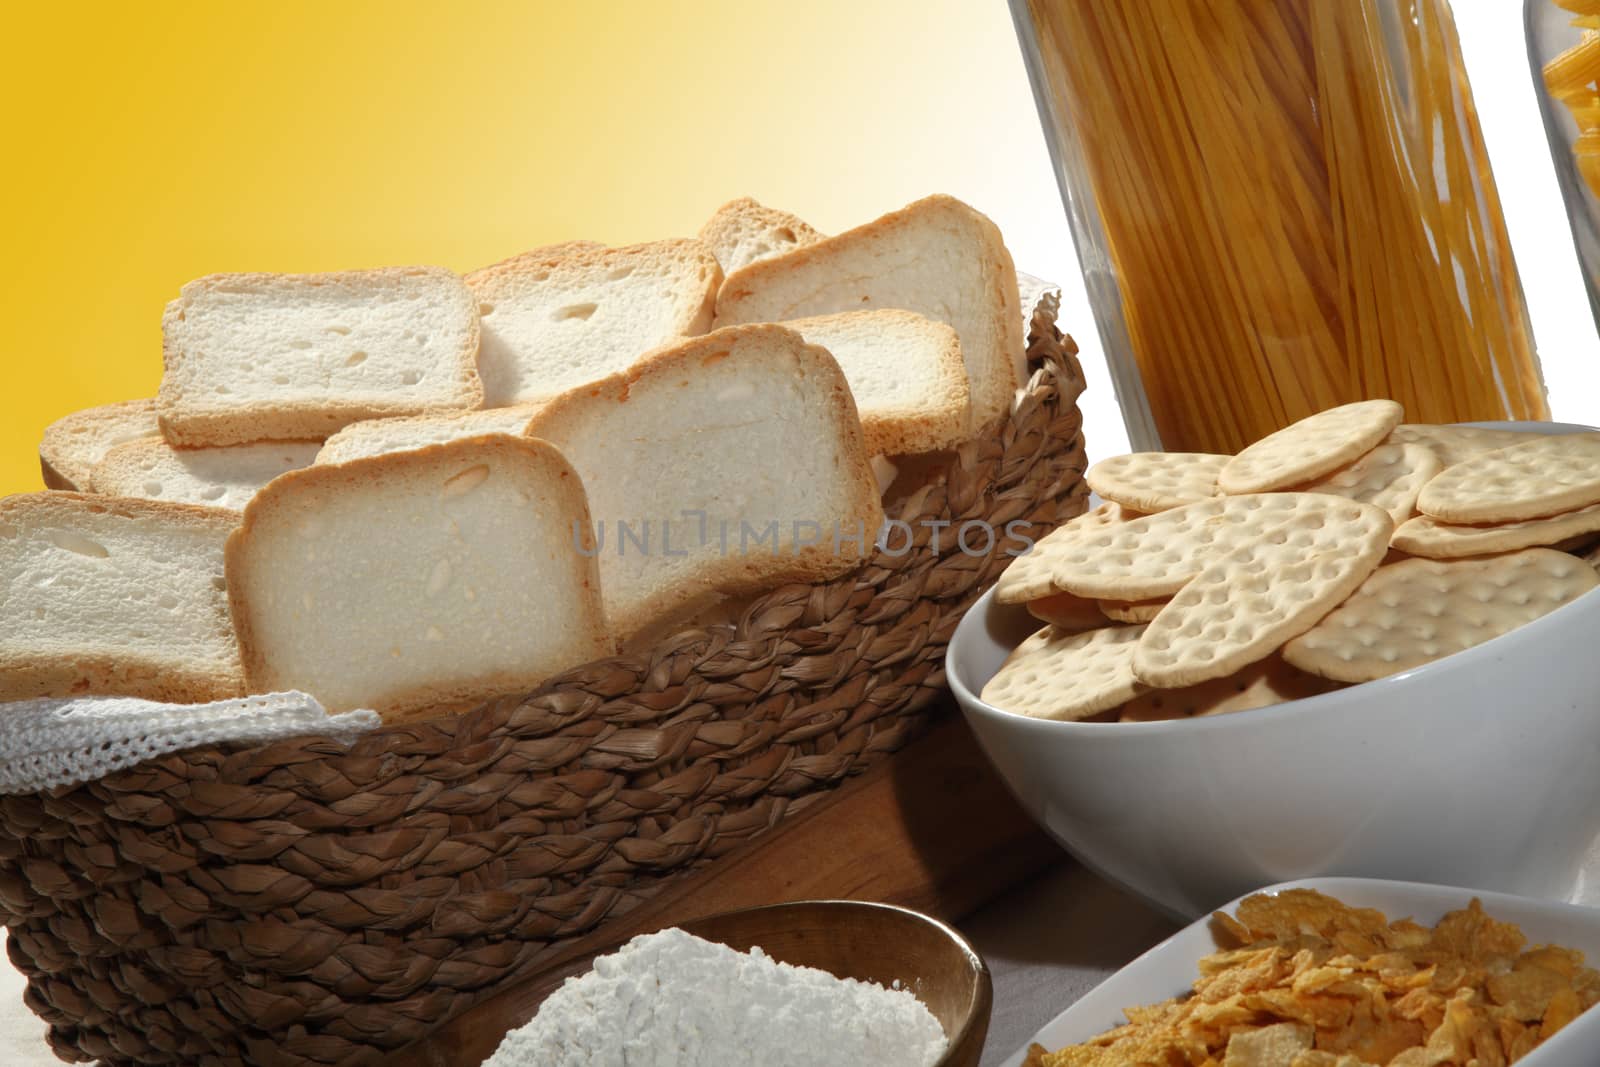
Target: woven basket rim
{"points": [[302, 902]]}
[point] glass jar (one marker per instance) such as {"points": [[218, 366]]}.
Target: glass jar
{"points": [[1280, 206], [1566, 76]]}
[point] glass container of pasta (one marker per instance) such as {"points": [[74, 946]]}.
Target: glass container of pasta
{"points": [[1280, 206], [1564, 47]]}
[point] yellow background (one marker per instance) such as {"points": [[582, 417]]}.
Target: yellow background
{"points": [[151, 144]]}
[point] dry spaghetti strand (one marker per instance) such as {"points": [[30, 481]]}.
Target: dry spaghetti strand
{"points": [[1297, 208]]}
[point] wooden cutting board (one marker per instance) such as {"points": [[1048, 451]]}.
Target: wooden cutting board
{"points": [[932, 828]]}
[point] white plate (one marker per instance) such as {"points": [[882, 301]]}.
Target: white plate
{"points": [[1169, 969]]}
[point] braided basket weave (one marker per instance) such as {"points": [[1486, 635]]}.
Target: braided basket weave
{"points": [[300, 903]]}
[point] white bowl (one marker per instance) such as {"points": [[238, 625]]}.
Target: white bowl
{"points": [[1169, 969], [1481, 769]]}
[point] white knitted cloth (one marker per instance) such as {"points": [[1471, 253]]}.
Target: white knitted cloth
{"points": [[54, 742]]}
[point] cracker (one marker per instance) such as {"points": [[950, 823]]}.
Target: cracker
{"points": [[1156, 555], [1132, 611], [1390, 477], [1156, 481], [1424, 609], [1258, 685], [1028, 577], [1053, 675], [1543, 476], [1452, 444], [1424, 536], [1068, 612], [1245, 605], [1306, 450]]}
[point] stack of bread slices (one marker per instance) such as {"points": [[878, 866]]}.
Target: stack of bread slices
{"points": [[412, 490]]}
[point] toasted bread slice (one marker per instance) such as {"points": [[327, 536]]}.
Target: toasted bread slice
{"points": [[937, 257], [114, 597], [213, 477], [418, 582], [296, 357], [743, 231], [379, 436], [555, 318], [733, 460], [905, 372], [74, 445]]}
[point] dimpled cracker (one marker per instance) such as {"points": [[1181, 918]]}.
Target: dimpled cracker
{"points": [[1258, 685], [1424, 536], [1053, 675], [1390, 477], [1543, 476], [1156, 481], [1132, 611], [1155, 556], [1028, 577], [1452, 444], [1306, 450], [1243, 606], [1425, 609], [1068, 612]]}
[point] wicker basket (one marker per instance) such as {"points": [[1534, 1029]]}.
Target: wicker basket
{"points": [[298, 903]]}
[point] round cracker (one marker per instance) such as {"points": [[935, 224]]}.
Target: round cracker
{"points": [[1425, 536], [1132, 611], [1421, 610], [1155, 556], [1391, 477], [1306, 450], [1452, 444], [1543, 476], [1243, 606], [1028, 577], [1055, 675], [1156, 481], [1068, 612], [1259, 685]]}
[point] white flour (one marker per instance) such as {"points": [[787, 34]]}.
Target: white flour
{"points": [[673, 1000]]}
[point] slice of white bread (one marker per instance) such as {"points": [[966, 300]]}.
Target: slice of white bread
{"points": [[744, 231], [72, 446], [937, 257], [418, 582], [555, 318], [750, 428], [905, 372], [215, 477], [114, 597], [295, 357], [378, 436]]}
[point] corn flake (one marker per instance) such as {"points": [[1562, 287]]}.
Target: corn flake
{"points": [[1267, 1046], [1312, 982]]}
